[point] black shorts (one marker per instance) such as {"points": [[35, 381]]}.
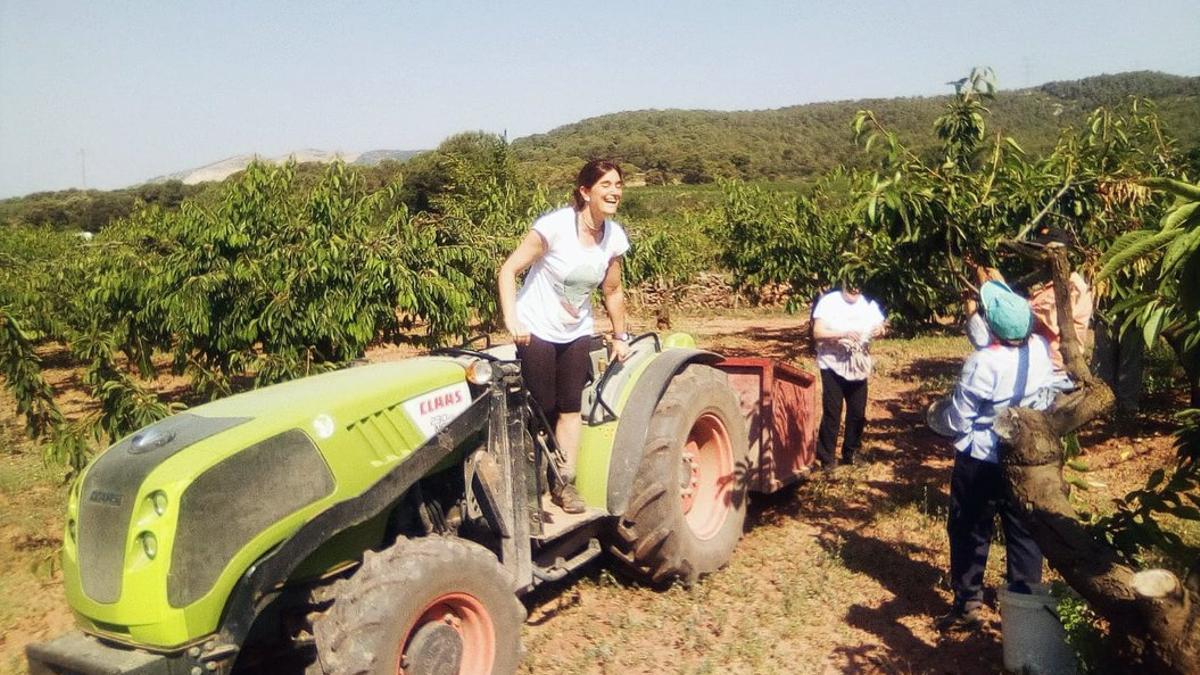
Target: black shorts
{"points": [[555, 373]]}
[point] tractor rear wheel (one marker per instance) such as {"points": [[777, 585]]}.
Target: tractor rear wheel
{"points": [[688, 504], [432, 605]]}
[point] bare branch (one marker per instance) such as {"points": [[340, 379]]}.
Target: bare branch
{"points": [[1060, 270], [1045, 209]]}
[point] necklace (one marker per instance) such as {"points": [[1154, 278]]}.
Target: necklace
{"points": [[588, 228]]}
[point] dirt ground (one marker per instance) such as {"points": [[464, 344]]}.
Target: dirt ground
{"points": [[841, 572]]}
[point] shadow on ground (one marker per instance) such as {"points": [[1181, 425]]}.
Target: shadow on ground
{"points": [[846, 507], [792, 344]]}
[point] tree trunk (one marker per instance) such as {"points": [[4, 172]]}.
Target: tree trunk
{"points": [[1154, 617]]}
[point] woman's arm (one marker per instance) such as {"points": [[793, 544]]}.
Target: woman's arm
{"points": [[614, 303], [823, 331], [532, 248]]}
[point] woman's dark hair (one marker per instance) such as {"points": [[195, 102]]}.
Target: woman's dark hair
{"points": [[592, 172]]}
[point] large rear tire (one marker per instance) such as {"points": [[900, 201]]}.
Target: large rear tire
{"points": [[432, 605], [688, 504]]}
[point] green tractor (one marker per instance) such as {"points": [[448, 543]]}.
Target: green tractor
{"points": [[386, 518]]}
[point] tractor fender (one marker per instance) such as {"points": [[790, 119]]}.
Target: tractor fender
{"points": [[629, 440]]}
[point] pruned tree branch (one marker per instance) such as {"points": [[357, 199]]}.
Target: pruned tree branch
{"points": [[1060, 270]]}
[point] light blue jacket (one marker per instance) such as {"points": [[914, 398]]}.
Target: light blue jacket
{"points": [[994, 378]]}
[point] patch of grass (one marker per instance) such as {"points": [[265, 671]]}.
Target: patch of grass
{"points": [[920, 359], [913, 516], [19, 472], [1085, 633], [32, 500], [925, 346], [941, 383]]}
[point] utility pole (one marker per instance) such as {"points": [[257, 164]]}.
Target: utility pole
{"points": [[83, 167]]}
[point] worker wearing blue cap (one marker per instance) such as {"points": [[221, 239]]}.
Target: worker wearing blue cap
{"points": [[1014, 369]]}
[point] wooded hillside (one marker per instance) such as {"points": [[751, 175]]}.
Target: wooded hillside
{"points": [[799, 142], [793, 144]]}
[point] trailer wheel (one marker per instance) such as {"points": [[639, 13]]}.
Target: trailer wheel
{"points": [[688, 503], [433, 605]]}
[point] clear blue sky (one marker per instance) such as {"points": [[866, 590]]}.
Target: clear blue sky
{"points": [[148, 88]]}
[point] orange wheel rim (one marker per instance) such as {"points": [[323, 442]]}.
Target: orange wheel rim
{"points": [[706, 476], [468, 618]]}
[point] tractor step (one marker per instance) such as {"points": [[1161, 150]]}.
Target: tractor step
{"points": [[561, 567], [79, 654], [556, 522], [568, 541]]}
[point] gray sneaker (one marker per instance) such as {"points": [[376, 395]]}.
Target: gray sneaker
{"points": [[568, 498]]}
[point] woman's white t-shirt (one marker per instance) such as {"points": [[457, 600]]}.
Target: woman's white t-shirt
{"points": [[555, 301], [861, 316]]}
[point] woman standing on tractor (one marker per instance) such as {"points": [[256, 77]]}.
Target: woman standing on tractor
{"points": [[569, 252]]}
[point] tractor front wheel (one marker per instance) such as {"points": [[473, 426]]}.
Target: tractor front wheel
{"points": [[688, 503], [434, 605]]}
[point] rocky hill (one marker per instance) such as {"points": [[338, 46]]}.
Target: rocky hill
{"points": [[218, 171]]}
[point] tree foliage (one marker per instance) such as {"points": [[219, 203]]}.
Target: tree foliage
{"points": [[279, 277], [22, 373], [933, 212], [1158, 271], [90, 210]]}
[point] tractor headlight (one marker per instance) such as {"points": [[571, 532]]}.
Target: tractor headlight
{"points": [[149, 544], [479, 372], [158, 500]]}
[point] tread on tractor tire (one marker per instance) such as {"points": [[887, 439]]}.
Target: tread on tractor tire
{"points": [[420, 606], [688, 504]]}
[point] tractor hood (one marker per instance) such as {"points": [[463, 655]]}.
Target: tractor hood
{"points": [[162, 524]]}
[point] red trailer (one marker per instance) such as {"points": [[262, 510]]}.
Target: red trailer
{"points": [[782, 414]]}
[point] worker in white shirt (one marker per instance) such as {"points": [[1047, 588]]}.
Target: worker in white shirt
{"points": [[1014, 370], [844, 323]]}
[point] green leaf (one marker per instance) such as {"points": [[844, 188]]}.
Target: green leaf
{"points": [[1079, 465], [1184, 245], [1078, 482], [1156, 479], [1178, 215], [1178, 188], [860, 118], [1151, 326], [1131, 246]]}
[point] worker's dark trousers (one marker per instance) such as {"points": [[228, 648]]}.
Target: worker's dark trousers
{"points": [[834, 390], [976, 494]]}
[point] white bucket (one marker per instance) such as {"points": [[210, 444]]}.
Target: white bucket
{"points": [[1034, 639]]}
